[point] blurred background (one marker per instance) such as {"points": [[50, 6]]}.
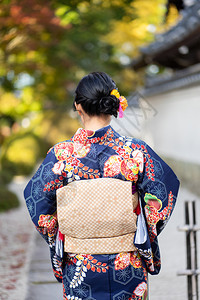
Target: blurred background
{"points": [[46, 47], [150, 48]]}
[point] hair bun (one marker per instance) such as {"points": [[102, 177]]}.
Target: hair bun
{"points": [[93, 93], [109, 105]]}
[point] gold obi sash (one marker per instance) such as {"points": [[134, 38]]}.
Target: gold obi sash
{"points": [[96, 216]]}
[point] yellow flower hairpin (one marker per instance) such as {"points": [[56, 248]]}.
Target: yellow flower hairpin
{"points": [[123, 104]]}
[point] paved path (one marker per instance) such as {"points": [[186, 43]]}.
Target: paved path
{"points": [[25, 269], [16, 240], [41, 281]]}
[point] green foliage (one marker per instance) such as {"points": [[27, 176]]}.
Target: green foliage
{"points": [[8, 199], [56, 44], [46, 47], [5, 177], [53, 126], [21, 152]]}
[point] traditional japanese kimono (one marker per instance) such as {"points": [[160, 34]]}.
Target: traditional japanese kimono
{"points": [[104, 154]]}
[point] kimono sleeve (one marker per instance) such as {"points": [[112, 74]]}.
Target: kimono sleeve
{"points": [[158, 187], [40, 196]]}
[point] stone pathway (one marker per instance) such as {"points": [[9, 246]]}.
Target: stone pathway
{"points": [[41, 281], [25, 268], [16, 242]]}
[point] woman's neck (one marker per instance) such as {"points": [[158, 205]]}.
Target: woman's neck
{"points": [[96, 122]]}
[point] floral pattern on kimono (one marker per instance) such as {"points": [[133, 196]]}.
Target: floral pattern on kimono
{"points": [[95, 154]]}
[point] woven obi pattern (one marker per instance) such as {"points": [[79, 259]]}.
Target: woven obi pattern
{"points": [[96, 216]]}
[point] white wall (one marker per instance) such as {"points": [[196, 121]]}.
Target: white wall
{"points": [[168, 122]]}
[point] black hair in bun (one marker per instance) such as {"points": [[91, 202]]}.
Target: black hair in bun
{"points": [[93, 93]]}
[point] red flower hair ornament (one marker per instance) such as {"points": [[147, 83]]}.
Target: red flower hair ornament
{"points": [[122, 102]]}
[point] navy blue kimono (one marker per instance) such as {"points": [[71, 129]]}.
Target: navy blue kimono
{"points": [[94, 154]]}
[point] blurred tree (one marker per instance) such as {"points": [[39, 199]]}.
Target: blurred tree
{"points": [[179, 4], [129, 33], [46, 47]]}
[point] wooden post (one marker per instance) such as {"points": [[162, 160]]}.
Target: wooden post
{"points": [[191, 247]]}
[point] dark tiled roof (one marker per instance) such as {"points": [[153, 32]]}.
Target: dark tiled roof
{"points": [[177, 48], [162, 84]]}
